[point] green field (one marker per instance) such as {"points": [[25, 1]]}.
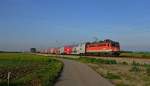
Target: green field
{"points": [[135, 54], [28, 69]]}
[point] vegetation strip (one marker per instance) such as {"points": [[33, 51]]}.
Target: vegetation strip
{"points": [[28, 69], [130, 54]]}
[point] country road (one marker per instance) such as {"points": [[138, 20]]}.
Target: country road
{"points": [[79, 74]]}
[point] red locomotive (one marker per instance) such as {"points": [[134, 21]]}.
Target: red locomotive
{"points": [[106, 47]]}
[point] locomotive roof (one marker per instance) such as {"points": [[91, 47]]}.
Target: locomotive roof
{"points": [[105, 41]]}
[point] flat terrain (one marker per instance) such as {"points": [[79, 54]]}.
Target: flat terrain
{"points": [[120, 74], [79, 74], [28, 70], [125, 71], [124, 75]]}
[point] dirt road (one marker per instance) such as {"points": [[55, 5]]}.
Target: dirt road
{"points": [[79, 74]]}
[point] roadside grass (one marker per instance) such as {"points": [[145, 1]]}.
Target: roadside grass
{"points": [[148, 71], [93, 60], [119, 73], [110, 75], [28, 69]]}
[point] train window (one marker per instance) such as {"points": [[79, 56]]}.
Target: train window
{"points": [[115, 44]]}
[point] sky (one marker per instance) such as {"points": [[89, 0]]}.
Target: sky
{"points": [[51, 23]]}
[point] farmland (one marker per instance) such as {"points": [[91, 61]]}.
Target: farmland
{"points": [[28, 70], [135, 54]]}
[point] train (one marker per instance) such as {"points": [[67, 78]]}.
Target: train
{"points": [[101, 48]]}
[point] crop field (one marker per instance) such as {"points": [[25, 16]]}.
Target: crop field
{"points": [[28, 70], [136, 54], [120, 74]]}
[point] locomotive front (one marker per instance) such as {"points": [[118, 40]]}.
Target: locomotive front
{"points": [[103, 48]]}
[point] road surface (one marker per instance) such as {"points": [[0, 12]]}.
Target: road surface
{"points": [[79, 74]]}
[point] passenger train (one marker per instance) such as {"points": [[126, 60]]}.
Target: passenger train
{"points": [[101, 48]]}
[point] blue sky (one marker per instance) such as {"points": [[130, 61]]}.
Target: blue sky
{"points": [[40, 23]]}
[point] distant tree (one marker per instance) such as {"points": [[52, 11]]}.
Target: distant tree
{"points": [[33, 50]]}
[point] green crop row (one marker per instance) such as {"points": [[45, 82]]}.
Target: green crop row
{"points": [[28, 69], [93, 60]]}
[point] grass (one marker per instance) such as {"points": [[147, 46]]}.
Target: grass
{"points": [[135, 69], [110, 75], [120, 74], [148, 70], [135, 54], [93, 60], [28, 69], [124, 75]]}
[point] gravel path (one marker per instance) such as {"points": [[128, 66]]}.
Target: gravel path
{"points": [[79, 74]]}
